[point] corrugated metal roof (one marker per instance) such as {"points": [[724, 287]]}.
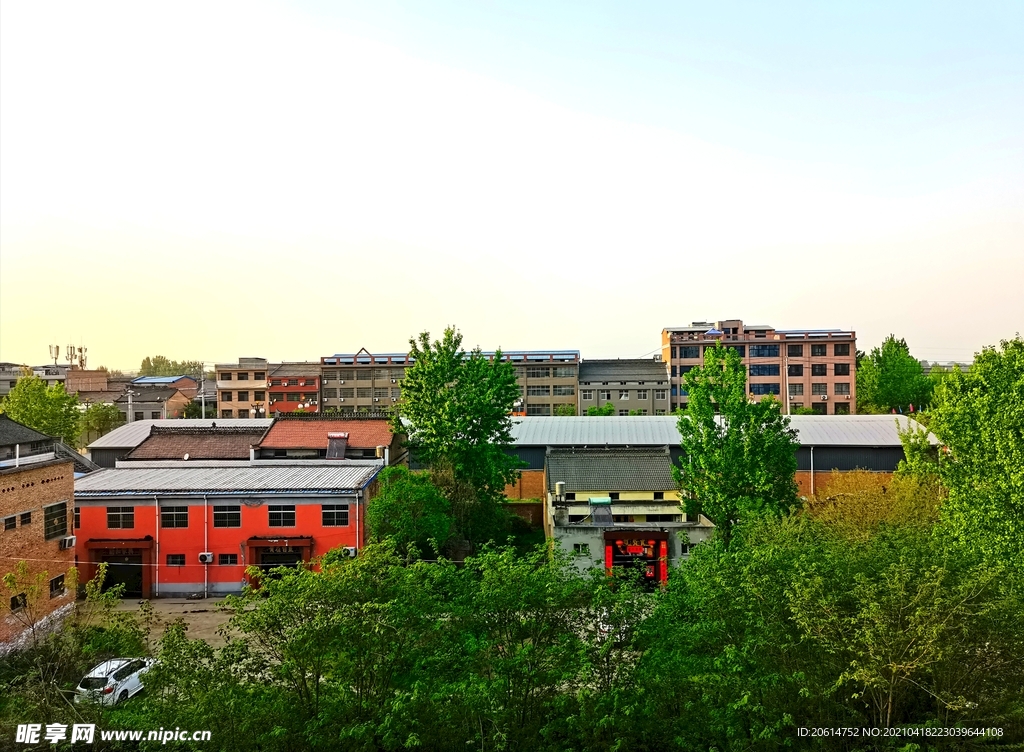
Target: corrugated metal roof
{"points": [[661, 430], [278, 477], [132, 434], [611, 470], [142, 380]]}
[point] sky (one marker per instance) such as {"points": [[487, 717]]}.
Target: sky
{"points": [[221, 179]]}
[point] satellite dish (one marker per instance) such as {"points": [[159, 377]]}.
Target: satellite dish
{"points": [[186, 456]]}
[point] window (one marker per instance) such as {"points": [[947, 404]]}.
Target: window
{"points": [[623, 394], [643, 412], [227, 516], [581, 549], [841, 350], [641, 394], [259, 376], [243, 396], [330, 393], [818, 351], [564, 372], [139, 415], [396, 392], [57, 586], [623, 412], [659, 495], [78, 517], [661, 394], [586, 394], [795, 370], [820, 408], [659, 411], [565, 391], [380, 392], [259, 396], [120, 518], [225, 396], [842, 387], [795, 351], [605, 394], [842, 369], [55, 520], [764, 388], [689, 352], [795, 405], [362, 375], [347, 391], [227, 413], [819, 369], [19, 602], [740, 349], [226, 376], [819, 388], [538, 391], [10, 523], [334, 515], [242, 377], [842, 408], [764, 351], [363, 392], [155, 415], [538, 409], [570, 496], [243, 413], [175, 560], [796, 390], [538, 372], [227, 560], [281, 515], [174, 517], [765, 370], [614, 496]]}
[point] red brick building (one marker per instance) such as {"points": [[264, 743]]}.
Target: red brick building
{"points": [[294, 387], [192, 528], [36, 489], [300, 437]]}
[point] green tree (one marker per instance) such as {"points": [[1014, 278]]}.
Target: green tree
{"points": [[99, 419], [194, 409], [158, 365], [457, 411], [50, 410], [410, 510], [889, 378], [602, 411], [739, 456], [979, 417], [565, 411]]}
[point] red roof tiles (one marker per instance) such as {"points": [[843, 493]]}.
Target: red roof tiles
{"points": [[312, 434]]}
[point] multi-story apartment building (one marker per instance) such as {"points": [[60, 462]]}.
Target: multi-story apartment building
{"points": [[36, 491], [242, 388], [293, 387], [365, 381], [812, 368], [638, 387]]}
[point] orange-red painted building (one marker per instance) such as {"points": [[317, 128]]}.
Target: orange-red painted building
{"points": [[175, 529]]}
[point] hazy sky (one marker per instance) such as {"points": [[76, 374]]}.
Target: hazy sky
{"points": [[214, 180]]}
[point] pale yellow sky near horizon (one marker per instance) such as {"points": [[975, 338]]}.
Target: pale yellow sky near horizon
{"points": [[257, 185]]}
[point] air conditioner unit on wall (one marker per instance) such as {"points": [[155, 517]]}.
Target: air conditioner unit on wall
{"points": [[824, 397], [348, 552], [341, 400], [68, 542], [206, 558]]}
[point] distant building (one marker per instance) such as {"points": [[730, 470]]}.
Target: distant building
{"points": [[193, 443], [117, 444], [187, 385], [812, 368], [364, 381], [36, 527], [294, 387], [637, 386], [152, 403], [242, 388], [9, 375], [355, 437]]}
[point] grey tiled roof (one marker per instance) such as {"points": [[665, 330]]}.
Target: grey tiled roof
{"points": [[611, 470], [12, 432], [645, 369]]}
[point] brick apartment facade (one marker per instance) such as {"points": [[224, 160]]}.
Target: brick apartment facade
{"points": [[242, 388], [36, 492], [365, 381], [294, 387], [813, 368]]}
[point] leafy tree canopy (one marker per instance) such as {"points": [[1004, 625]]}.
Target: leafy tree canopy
{"points": [[979, 416], [739, 456], [410, 510], [50, 410], [100, 419], [889, 378], [601, 411], [565, 410], [158, 365]]}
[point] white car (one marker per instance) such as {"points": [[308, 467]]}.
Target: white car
{"points": [[113, 681]]}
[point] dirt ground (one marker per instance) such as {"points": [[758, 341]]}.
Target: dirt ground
{"points": [[203, 617]]}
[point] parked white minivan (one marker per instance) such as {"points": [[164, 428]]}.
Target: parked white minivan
{"points": [[113, 681]]}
